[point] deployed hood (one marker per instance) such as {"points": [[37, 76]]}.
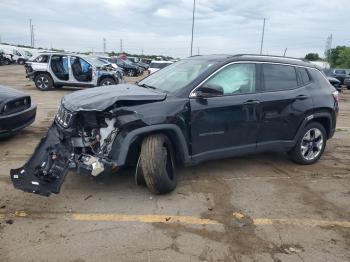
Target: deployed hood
{"points": [[7, 93], [100, 98]]}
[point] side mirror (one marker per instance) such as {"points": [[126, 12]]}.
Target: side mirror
{"points": [[209, 90]]}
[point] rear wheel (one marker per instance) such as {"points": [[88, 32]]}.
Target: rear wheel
{"points": [[43, 82], [20, 61], [310, 145], [107, 81], [157, 164], [7, 61]]}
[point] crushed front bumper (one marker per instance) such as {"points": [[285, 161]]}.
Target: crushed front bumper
{"points": [[53, 157]]}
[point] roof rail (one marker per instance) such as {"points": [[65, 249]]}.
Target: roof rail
{"points": [[273, 56]]}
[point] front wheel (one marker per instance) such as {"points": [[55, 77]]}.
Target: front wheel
{"points": [[43, 82], [157, 162], [131, 73], [107, 82], [310, 145]]}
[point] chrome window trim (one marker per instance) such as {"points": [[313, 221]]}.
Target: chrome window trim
{"points": [[193, 95]]}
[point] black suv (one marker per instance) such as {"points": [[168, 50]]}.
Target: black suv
{"points": [[200, 108]]}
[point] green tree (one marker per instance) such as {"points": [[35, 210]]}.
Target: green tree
{"points": [[343, 60], [312, 57], [333, 55]]}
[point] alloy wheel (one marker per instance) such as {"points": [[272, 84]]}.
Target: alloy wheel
{"points": [[43, 82], [312, 144]]}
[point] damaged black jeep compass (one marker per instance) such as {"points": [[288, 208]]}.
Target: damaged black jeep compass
{"points": [[200, 108]]}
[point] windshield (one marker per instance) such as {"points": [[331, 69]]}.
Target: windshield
{"points": [[95, 61], [177, 75], [159, 65]]}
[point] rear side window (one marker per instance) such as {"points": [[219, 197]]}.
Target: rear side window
{"points": [[340, 72], [279, 77], [303, 76]]}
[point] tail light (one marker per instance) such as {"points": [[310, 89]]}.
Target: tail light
{"points": [[335, 95]]}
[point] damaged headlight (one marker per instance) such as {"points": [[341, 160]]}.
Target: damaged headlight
{"points": [[64, 117]]}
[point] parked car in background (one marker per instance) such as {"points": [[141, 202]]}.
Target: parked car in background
{"points": [[118, 69], [16, 54], [339, 74], [54, 70], [16, 111], [335, 82], [128, 68], [198, 109], [347, 81], [157, 65]]}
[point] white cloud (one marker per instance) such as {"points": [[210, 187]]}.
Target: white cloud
{"points": [[164, 26]]}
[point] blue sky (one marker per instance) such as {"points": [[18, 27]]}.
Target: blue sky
{"points": [[164, 27]]}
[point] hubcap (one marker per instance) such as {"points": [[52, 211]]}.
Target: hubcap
{"points": [[107, 83], [312, 144], [43, 82]]}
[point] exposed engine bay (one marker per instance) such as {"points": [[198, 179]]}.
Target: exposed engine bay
{"points": [[84, 148]]}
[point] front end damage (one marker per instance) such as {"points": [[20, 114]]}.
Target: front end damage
{"points": [[95, 132], [79, 142]]}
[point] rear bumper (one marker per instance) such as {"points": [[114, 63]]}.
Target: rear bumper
{"points": [[10, 124]]}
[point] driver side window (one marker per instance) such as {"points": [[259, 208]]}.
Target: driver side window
{"points": [[235, 79]]}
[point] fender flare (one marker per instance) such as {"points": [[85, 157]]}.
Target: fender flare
{"points": [[309, 119], [134, 134]]}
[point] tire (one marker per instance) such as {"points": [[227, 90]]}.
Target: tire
{"points": [[306, 151], [43, 82], [20, 61], [131, 73], [107, 81], [157, 164], [7, 61]]}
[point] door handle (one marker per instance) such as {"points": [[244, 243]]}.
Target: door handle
{"points": [[301, 97], [251, 102]]}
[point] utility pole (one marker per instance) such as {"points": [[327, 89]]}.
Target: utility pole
{"points": [[33, 37], [104, 45], [198, 51], [262, 37], [31, 32], [194, 8], [121, 45], [328, 47], [285, 51]]}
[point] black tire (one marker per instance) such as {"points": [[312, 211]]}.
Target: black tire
{"points": [[157, 164], [43, 82], [7, 61], [21, 61], [107, 81], [131, 73], [300, 157]]}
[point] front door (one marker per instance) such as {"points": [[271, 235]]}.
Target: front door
{"points": [[222, 125]]}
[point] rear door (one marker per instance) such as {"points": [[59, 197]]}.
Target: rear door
{"points": [[284, 102]]}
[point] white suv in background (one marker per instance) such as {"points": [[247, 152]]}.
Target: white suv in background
{"points": [[157, 65]]}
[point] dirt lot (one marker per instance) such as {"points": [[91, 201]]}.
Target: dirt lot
{"points": [[253, 208]]}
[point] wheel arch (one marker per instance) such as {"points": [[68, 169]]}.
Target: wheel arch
{"points": [[131, 143]]}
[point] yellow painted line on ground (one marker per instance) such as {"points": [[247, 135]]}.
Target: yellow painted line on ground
{"points": [[145, 219], [192, 220], [301, 222]]}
